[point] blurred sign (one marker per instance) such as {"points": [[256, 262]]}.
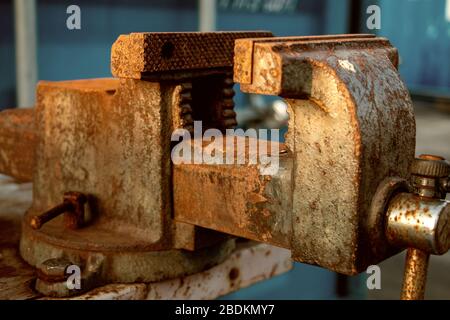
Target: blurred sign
{"points": [[264, 6]]}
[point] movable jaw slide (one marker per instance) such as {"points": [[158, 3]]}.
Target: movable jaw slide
{"points": [[111, 195]]}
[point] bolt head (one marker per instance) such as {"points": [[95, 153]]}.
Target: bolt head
{"points": [[54, 267]]}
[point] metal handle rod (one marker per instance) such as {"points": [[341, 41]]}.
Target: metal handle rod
{"points": [[415, 276], [37, 221]]}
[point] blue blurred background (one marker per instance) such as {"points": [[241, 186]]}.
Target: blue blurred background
{"points": [[420, 29]]}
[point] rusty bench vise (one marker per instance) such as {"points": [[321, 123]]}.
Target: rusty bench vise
{"points": [[107, 197]]}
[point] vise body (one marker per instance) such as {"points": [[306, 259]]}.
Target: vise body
{"points": [[108, 196]]}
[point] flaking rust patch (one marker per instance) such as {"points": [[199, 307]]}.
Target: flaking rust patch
{"points": [[347, 65]]}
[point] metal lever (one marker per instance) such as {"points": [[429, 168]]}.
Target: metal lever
{"points": [[72, 206], [420, 221]]}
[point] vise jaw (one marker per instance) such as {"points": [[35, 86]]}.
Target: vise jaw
{"points": [[351, 126], [351, 135]]}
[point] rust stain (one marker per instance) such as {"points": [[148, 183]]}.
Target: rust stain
{"points": [[18, 140]]}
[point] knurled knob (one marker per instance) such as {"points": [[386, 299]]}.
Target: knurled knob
{"points": [[430, 166]]}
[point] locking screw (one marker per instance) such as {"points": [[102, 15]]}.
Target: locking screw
{"points": [[37, 221], [73, 208]]}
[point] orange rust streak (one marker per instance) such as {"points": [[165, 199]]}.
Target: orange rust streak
{"points": [[18, 139]]}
